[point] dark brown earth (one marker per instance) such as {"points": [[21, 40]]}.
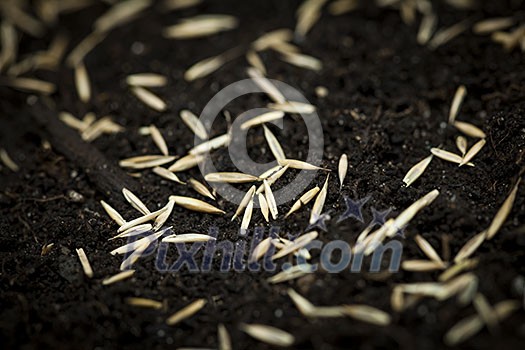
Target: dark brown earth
{"points": [[373, 66]]}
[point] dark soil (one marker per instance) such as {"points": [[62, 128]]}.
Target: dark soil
{"points": [[373, 66]]}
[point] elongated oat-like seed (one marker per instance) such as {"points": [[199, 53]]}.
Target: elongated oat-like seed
{"points": [[225, 342], [188, 238], [200, 26], [273, 178], [31, 85], [129, 247], [134, 231], [162, 218], [304, 306], [261, 119], [490, 25], [171, 5], [485, 311], [200, 188], [459, 96], [307, 15], [268, 334], [397, 300], [196, 205], [427, 28], [421, 265], [429, 251], [342, 169], [270, 199], [76, 56], [303, 61], [408, 214], [82, 83], [158, 139], [272, 38], [230, 177], [457, 269], [303, 200], [118, 277], [264, 207], [86, 266], [297, 271], [146, 80], [319, 202], [340, 7], [8, 161], [247, 217], [168, 175], [120, 14], [274, 144], [143, 302], [204, 67], [135, 202], [207, 146], [469, 129], [186, 162], [299, 164], [299, 243], [473, 151], [144, 162], [186, 312], [134, 256], [267, 86], [255, 61], [416, 171], [194, 123], [446, 155], [502, 213], [461, 144], [445, 35], [368, 314], [75, 123], [244, 202], [113, 214], [293, 107], [141, 220], [270, 172], [470, 247], [149, 98], [261, 249]]}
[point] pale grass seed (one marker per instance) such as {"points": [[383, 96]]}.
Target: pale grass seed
{"points": [[266, 85], [196, 205], [113, 213], [503, 212], [215, 143], [82, 83], [244, 202], [167, 174], [274, 144], [86, 266], [342, 169], [119, 14], [261, 249], [270, 199], [470, 247], [319, 203], [135, 201], [459, 96], [8, 161], [144, 302], [200, 26], [194, 123], [147, 161], [473, 151], [445, 35], [416, 171], [247, 217], [490, 25], [186, 312], [303, 61], [186, 162], [264, 207], [188, 238], [118, 277], [268, 334], [469, 129], [146, 80], [158, 139], [297, 271], [429, 251], [303, 200], [200, 188], [225, 342], [149, 98], [293, 107], [262, 118], [230, 177], [255, 61], [461, 144]]}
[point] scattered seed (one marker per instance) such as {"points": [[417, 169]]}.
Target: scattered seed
{"points": [[299, 164], [194, 123], [158, 139], [86, 266], [149, 98], [473, 151], [143, 302], [113, 214], [427, 28], [144, 162], [82, 83], [470, 247], [76, 56], [135, 202], [299, 243], [297, 271], [270, 172], [207, 146], [271, 39], [269, 335], [469, 129], [31, 85], [119, 14], [225, 342], [247, 217], [146, 80], [204, 67], [186, 312], [261, 119], [461, 144], [307, 15], [200, 26], [319, 203], [261, 249], [303, 200], [429, 251], [485, 311], [267, 86], [135, 256], [446, 155], [491, 25], [130, 247], [46, 248], [201, 188], [230, 177], [171, 5], [255, 61], [187, 162], [274, 144], [270, 199], [445, 35], [8, 161], [101, 126], [342, 169], [303, 61], [503, 213], [368, 314], [466, 264], [273, 178], [303, 305], [162, 218], [168, 175], [421, 265], [244, 202], [9, 40], [264, 207], [293, 107], [140, 220], [340, 7], [196, 205], [416, 171], [134, 231], [459, 96], [118, 277], [188, 238], [74, 123]]}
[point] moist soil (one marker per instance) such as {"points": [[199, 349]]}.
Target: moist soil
{"points": [[387, 106]]}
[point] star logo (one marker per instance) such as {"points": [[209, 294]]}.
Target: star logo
{"points": [[320, 222], [354, 208]]}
